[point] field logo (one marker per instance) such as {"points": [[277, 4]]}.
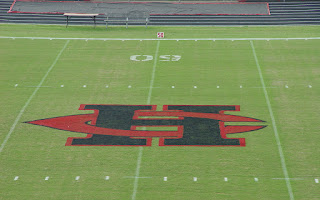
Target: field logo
{"points": [[136, 125]]}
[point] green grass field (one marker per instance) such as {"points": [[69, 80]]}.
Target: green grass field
{"points": [[277, 81]]}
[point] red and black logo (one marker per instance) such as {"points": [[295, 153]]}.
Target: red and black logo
{"points": [[136, 125]]}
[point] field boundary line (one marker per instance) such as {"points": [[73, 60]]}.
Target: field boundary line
{"points": [[31, 97], [136, 178], [165, 39], [275, 129]]}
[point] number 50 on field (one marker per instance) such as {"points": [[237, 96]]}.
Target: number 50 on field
{"points": [[150, 57]]}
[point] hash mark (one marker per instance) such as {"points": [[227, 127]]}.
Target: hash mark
{"points": [[256, 179], [165, 178], [195, 178], [195, 86], [107, 86], [310, 86], [16, 85], [287, 86], [218, 86], [316, 180], [172, 86], [129, 86], [84, 86], [16, 178], [62, 85], [107, 178], [47, 178], [225, 179], [240, 86], [77, 178]]}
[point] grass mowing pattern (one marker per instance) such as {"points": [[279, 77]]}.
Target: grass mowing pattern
{"points": [[35, 152]]}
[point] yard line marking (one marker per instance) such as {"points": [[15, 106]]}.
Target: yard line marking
{"points": [[316, 180], [107, 178], [31, 97], [47, 178], [135, 185], [225, 179], [153, 73], [275, 130], [167, 39], [16, 178], [77, 178], [195, 179], [256, 179], [165, 178]]}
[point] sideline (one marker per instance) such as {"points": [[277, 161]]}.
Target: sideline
{"points": [[159, 39]]}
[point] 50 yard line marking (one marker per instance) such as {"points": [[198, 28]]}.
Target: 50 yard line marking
{"points": [[275, 130], [135, 185], [31, 97]]}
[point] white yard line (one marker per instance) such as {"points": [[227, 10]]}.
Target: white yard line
{"points": [[31, 97], [135, 185], [275, 130], [176, 39]]}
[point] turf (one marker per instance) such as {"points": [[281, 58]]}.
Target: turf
{"points": [[34, 152]]}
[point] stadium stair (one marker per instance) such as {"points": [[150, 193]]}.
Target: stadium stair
{"points": [[282, 13]]}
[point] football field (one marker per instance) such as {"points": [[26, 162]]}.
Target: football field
{"points": [[269, 75]]}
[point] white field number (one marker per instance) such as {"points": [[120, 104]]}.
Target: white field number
{"points": [[149, 57]]}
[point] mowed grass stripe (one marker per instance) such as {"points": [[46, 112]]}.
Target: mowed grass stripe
{"points": [[136, 179], [275, 129], [31, 97]]}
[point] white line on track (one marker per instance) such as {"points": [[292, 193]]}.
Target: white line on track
{"points": [[31, 97], [135, 185], [176, 39], [275, 130]]}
